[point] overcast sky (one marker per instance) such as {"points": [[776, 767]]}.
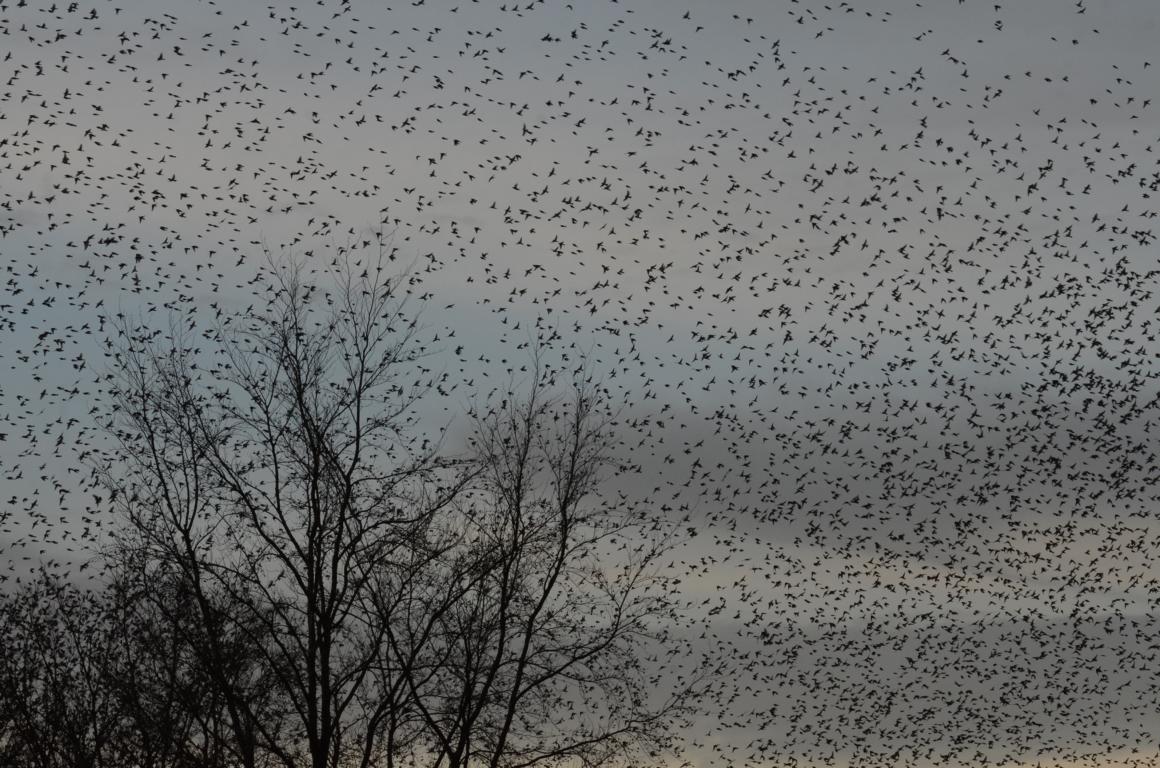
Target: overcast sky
{"points": [[874, 283]]}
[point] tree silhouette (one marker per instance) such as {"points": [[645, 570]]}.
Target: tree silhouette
{"points": [[337, 588]]}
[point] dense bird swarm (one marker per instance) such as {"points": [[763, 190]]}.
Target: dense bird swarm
{"points": [[873, 285]]}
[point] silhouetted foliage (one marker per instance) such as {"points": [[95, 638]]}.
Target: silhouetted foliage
{"points": [[303, 577]]}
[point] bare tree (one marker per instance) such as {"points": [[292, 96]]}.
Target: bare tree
{"points": [[58, 709], [538, 655], [269, 482], [348, 594], [174, 717], [101, 677]]}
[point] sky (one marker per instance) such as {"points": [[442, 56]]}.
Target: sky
{"points": [[873, 284]]}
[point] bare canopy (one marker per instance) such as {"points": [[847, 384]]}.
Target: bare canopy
{"points": [[310, 578]]}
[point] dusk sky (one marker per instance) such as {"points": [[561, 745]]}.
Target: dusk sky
{"points": [[873, 283]]}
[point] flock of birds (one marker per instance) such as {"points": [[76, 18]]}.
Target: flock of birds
{"points": [[873, 285]]}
